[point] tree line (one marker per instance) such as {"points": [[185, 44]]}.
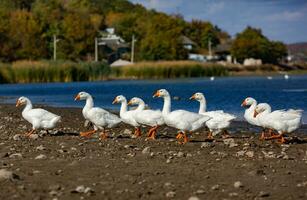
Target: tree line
{"points": [[27, 28]]}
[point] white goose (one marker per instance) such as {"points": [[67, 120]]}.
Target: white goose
{"points": [[128, 116], [250, 104], [39, 118], [152, 118], [219, 121], [100, 118], [183, 120], [283, 121]]}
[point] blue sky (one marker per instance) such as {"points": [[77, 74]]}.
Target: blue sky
{"points": [[284, 20]]}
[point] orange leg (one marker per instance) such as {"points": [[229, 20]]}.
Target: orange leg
{"points": [[138, 132], [103, 136], [30, 133], [210, 137], [88, 133], [262, 137], [274, 137], [185, 138], [152, 133], [179, 137]]}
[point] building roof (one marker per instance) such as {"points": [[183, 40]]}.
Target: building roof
{"points": [[187, 41]]}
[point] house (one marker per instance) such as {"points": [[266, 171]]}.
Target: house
{"points": [[112, 45], [187, 43], [223, 50]]}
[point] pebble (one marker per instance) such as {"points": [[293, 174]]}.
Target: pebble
{"points": [[200, 191], [215, 187], [16, 155], [127, 132], [167, 184], [168, 160], [240, 153], [263, 194], [40, 157], [40, 148], [206, 145], [230, 142], [238, 184], [193, 198], [233, 194], [33, 136], [17, 137], [146, 150], [170, 194], [180, 154], [250, 154], [7, 175], [83, 189]]}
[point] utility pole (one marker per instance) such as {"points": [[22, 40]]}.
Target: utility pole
{"points": [[96, 49], [132, 49], [209, 47], [55, 40]]}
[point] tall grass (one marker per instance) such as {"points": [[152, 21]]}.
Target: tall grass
{"points": [[168, 69], [49, 71]]}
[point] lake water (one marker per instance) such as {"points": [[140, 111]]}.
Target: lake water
{"points": [[222, 93]]}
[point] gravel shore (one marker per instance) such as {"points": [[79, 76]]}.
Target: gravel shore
{"points": [[62, 165]]}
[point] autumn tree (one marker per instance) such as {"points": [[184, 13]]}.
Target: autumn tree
{"points": [[25, 35]]}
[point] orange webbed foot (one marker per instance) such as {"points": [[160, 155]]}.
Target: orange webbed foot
{"points": [[87, 134]]}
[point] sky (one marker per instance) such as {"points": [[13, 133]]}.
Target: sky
{"points": [[283, 20]]}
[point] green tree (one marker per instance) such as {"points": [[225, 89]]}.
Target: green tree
{"points": [[202, 32], [251, 43], [162, 40]]}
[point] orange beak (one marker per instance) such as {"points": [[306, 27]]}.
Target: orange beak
{"points": [[129, 103], [156, 94], [77, 97], [243, 104], [255, 113], [192, 97], [18, 103], [115, 101]]}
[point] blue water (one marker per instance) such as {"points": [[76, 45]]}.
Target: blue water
{"points": [[223, 93]]}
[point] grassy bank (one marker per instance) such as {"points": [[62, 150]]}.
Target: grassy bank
{"points": [[168, 69], [68, 71], [49, 71]]}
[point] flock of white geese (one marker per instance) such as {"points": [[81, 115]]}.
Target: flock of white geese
{"points": [[274, 123]]}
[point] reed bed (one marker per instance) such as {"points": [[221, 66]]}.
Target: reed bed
{"points": [[168, 69], [51, 71]]}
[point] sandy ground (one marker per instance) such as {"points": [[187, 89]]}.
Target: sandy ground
{"points": [[62, 165]]}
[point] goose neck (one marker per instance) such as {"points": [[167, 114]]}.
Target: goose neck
{"points": [[202, 106], [167, 105]]}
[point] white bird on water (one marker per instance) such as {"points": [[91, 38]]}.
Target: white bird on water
{"points": [[286, 76]]}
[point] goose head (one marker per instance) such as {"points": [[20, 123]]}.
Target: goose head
{"points": [[119, 99], [135, 101], [248, 102], [260, 108], [161, 93], [197, 96], [21, 101], [82, 96]]}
